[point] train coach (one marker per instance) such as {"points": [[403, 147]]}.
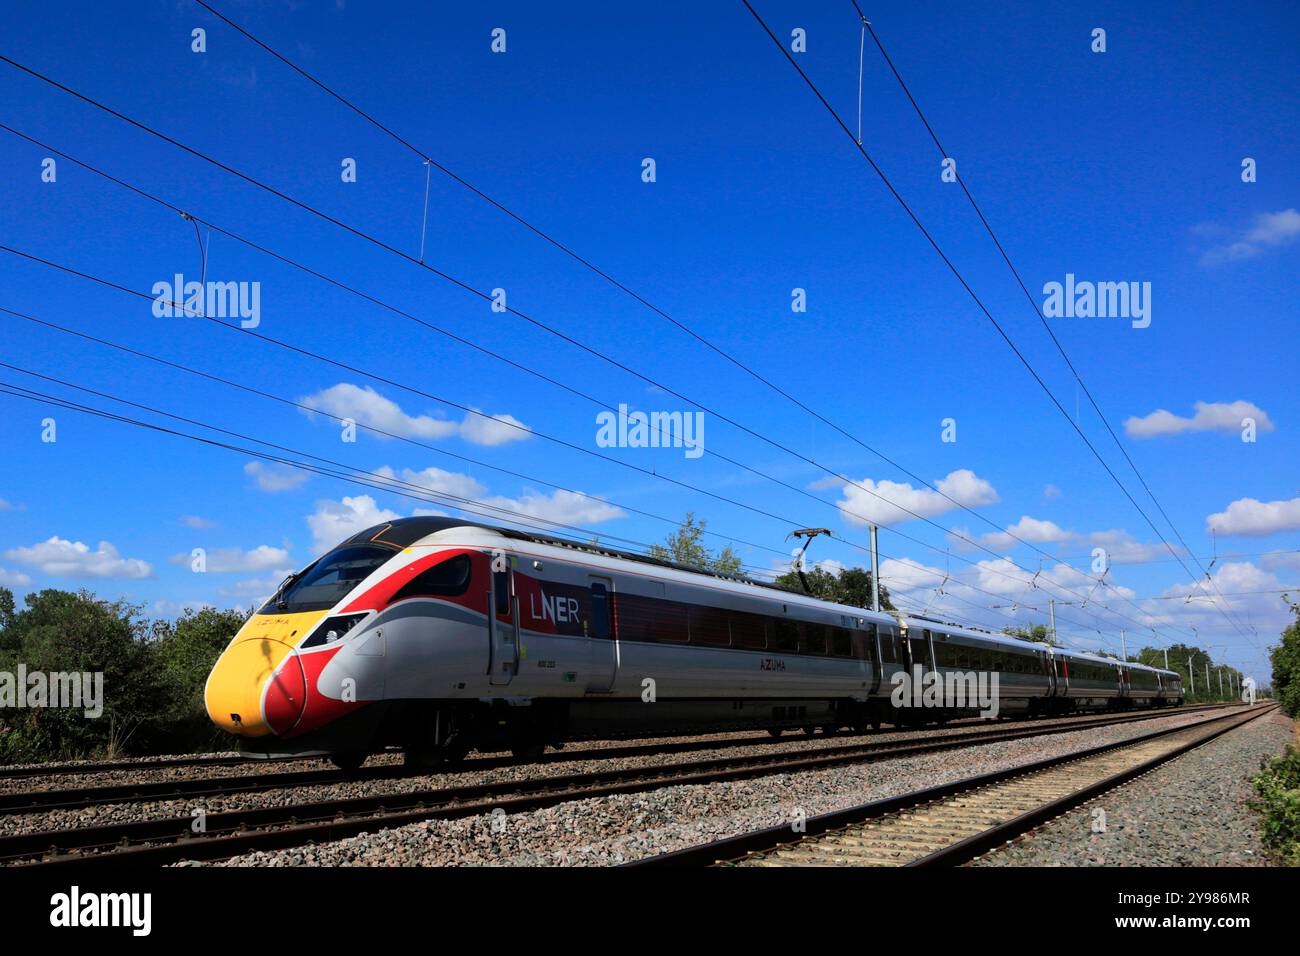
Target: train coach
{"points": [[436, 635]]}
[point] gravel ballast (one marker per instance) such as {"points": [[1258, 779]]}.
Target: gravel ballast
{"points": [[475, 770], [1192, 811], [612, 830]]}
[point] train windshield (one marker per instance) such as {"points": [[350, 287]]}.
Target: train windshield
{"points": [[328, 581]]}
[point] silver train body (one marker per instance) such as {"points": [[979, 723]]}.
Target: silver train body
{"points": [[436, 636]]}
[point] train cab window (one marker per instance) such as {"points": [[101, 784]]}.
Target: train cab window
{"points": [[749, 631], [599, 610], [814, 640], [329, 580], [785, 636], [841, 642], [446, 579]]}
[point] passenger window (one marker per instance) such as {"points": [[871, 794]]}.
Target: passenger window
{"points": [[814, 640], [785, 636], [709, 626], [749, 631]]}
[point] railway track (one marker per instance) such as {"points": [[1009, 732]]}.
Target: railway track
{"points": [[955, 822], [111, 766], [75, 798], [230, 833]]}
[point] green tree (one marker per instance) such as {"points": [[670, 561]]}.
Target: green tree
{"points": [[1038, 632], [686, 546], [6, 611], [61, 632], [1285, 658], [185, 651], [851, 586]]}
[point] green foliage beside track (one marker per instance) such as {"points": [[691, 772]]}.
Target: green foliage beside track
{"points": [[1285, 658], [153, 676], [1278, 786]]}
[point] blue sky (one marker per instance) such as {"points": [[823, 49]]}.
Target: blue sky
{"points": [[1116, 166]]}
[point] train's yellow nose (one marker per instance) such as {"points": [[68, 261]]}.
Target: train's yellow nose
{"points": [[245, 676]]}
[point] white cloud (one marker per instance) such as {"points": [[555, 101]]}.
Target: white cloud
{"points": [[174, 609], [233, 560], [1269, 229], [275, 478], [1210, 416], [1051, 491], [14, 579], [435, 480], [335, 521], [1252, 518], [197, 523], [1279, 560], [10, 506], [863, 507], [63, 558], [367, 407], [1120, 546], [1028, 529], [256, 589], [563, 507], [829, 481], [481, 429], [1253, 599], [830, 566]]}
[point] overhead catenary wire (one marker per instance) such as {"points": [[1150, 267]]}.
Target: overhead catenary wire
{"points": [[528, 369], [1024, 288], [606, 276], [312, 409], [316, 464], [488, 297], [369, 475], [967, 287], [476, 292], [562, 442]]}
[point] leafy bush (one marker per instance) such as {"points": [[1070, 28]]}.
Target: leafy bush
{"points": [[1285, 658], [1278, 786], [153, 676]]}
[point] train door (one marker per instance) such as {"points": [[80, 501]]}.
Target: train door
{"points": [[602, 637], [917, 647], [1051, 674], [503, 627], [877, 652]]}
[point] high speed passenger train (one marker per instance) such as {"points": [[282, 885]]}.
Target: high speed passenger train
{"points": [[437, 635]]}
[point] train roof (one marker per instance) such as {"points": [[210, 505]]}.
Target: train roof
{"points": [[405, 532], [952, 627]]}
